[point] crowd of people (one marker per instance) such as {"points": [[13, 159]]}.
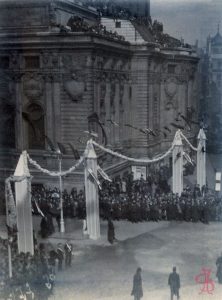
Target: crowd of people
{"points": [[48, 201], [155, 28], [152, 200], [145, 199], [115, 11], [77, 24], [33, 276]]}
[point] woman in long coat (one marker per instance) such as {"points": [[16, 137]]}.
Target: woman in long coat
{"points": [[137, 290]]}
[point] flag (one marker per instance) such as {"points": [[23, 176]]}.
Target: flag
{"points": [[39, 210], [188, 158], [103, 174], [94, 178]]}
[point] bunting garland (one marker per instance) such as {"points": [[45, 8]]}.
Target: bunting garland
{"points": [[101, 172]]}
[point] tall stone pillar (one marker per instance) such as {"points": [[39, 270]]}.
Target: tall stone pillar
{"points": [[108, 114], [122, 104], [57, 107], [177, 162], [116, 118], [112, 111], [49, 106], [19, 121], [201, 158], [23, 207], [91, 192]]}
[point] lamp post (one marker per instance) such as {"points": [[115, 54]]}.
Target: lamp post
{"points": [[62, 224]]}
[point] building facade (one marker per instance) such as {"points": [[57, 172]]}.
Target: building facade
{"points": [[61, 62], [211, 87]]}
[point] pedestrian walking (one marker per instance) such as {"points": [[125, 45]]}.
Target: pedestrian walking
{"points": [[137, 290], [60, 256], [174, 283], [68, 248], [219, 269]]}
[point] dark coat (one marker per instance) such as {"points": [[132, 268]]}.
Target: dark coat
{"points": [[111, 232], [219, 269], [137, 286], [174, 282]]}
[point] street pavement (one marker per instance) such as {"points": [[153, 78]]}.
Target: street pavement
{"points": [[101, 271]]}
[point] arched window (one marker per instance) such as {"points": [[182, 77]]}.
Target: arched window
{"points": [[36, 126]]}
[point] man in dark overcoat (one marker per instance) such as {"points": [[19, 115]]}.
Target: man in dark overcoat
{"points": [[174, 283], [111, 232], [137, 290], [219, 269]]}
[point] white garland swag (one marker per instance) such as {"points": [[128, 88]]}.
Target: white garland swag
{"points": [[136, 160], [53, 173]]}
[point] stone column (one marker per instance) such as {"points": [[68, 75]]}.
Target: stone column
{"points": [[177, 162], [116, 118], [189, 93], [23, 207], [201, 159], [49, 106], [57, 107], [122, 104], [112, 111], [108, 114], [19, 121], [91, 193]]}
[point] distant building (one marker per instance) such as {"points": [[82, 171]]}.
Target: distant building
{"points": [[60, 62], [211, 100]]}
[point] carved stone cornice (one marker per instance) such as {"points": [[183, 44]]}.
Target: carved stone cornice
{"points": [[14, 60], [48, 77], [56, 77], [16, 76], [33, 85]]}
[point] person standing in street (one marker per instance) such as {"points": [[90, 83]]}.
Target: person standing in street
{"points": [[137, 290], [68, 248], [174, 283], [219, 269], [60, 256], [111, 232]]}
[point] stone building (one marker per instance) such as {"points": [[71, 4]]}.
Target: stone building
{"points": [[60, 62], [210, 68], [211, 87]]}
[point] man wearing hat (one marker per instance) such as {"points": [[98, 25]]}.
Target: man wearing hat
{"points": [[174, 283]]}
